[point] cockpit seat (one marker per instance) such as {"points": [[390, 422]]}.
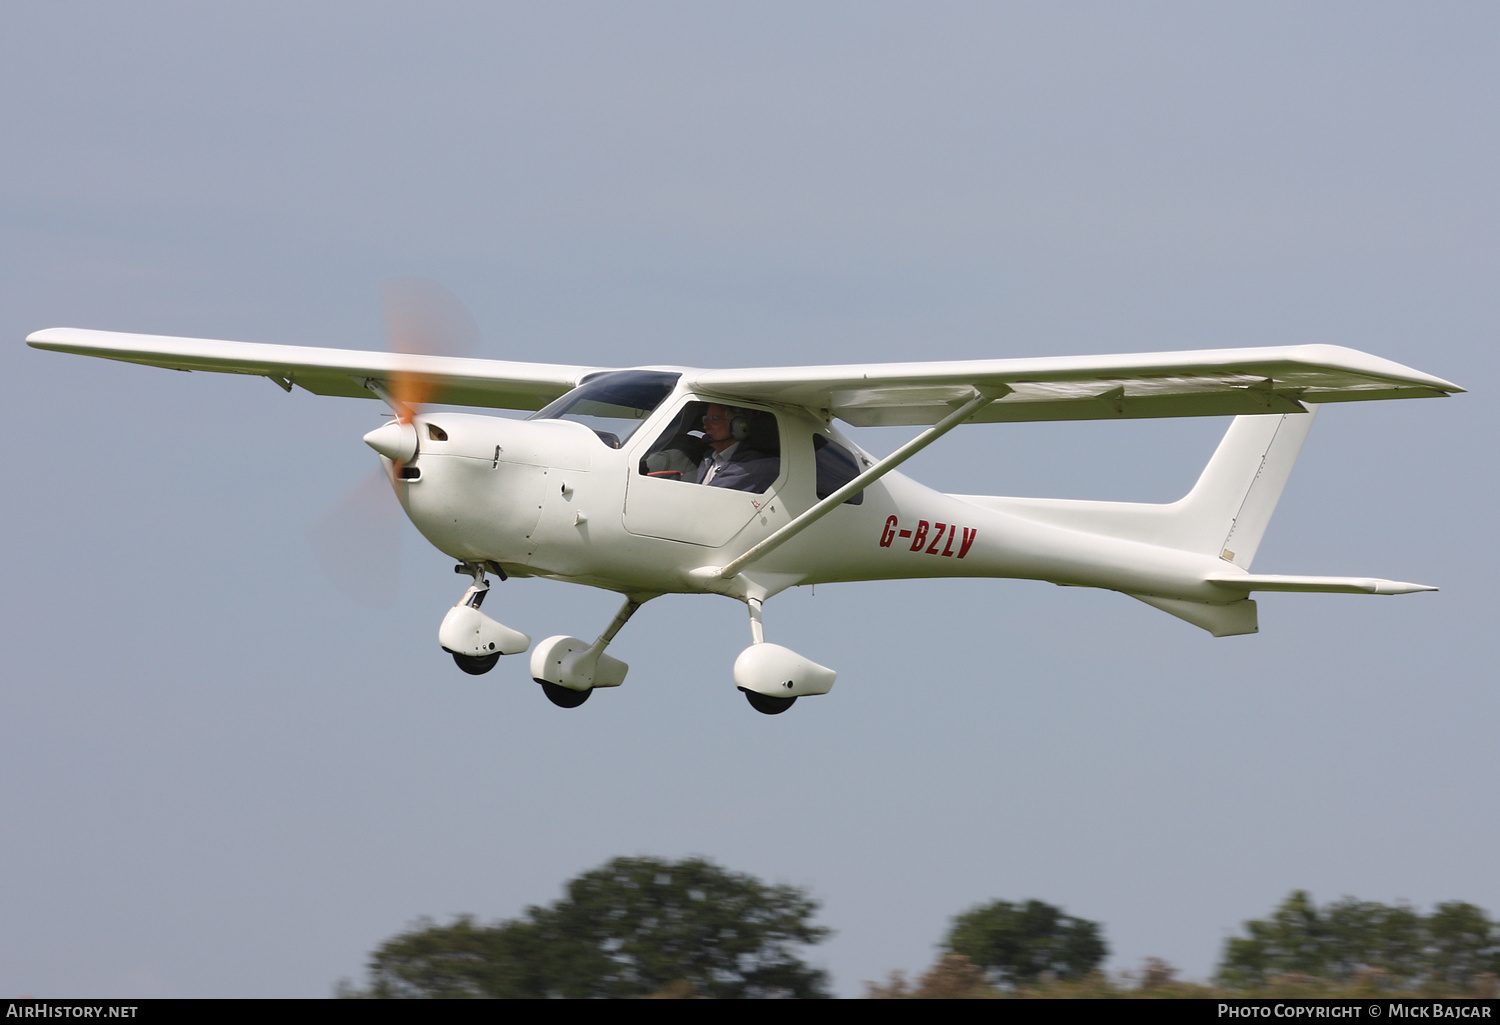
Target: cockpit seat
{"points": [[677, 460]]}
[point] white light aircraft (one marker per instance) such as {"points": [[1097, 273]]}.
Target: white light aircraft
{"points": [[659, 480]]}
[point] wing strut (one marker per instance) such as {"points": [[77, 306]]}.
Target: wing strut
{"points": [[403, 411], [983, 396]]}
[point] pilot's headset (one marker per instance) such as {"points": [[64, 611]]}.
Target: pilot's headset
{"points": [[739, 424]]}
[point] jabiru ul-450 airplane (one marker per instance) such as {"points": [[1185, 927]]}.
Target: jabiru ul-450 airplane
{"points": [[656, 480]]}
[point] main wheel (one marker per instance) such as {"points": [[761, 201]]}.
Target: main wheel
{"points": [[564, 697], [476, 665], [767, 704]]}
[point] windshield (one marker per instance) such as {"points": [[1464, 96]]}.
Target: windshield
{"points": [[612, 404]]}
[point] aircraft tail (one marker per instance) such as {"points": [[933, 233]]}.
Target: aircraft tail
{"points": [[1225, 515]]}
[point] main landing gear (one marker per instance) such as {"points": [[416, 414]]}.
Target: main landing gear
{"points": [[569, 669], [773, 677]]}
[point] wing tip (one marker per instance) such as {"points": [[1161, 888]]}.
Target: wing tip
{"points": [[47, 338], [1337, 354]]}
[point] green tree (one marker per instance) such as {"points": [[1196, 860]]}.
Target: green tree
{"points": [[461, 959], [1350, 939], [1019, 943], [1464, 943], [633, 927]]}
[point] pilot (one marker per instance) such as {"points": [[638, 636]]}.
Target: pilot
{"points": [[727, 463]]}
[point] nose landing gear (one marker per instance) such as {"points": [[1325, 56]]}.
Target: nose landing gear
{"points": [[476, 641]]}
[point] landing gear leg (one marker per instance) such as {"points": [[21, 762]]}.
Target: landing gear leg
{"points": [[570, 669], [764, 703]]}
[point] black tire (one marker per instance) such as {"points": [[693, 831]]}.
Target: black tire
{"points": [[475, 665], [564, 697], [766, 704]]}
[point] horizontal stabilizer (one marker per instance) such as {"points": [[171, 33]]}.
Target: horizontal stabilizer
{"points": [[1329, 585]]}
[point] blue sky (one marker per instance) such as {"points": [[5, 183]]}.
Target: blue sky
{"points": [[222, 778]]}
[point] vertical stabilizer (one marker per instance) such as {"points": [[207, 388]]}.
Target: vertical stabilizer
{"points": [[1228, 620], [1227, 511]]}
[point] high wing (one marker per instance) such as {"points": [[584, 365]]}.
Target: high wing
{"points": [[459, 382], [1209, 382]]}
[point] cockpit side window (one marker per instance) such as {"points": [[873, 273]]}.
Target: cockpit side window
{"points": [[718, 445], [836, 467], [612, 404]]}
